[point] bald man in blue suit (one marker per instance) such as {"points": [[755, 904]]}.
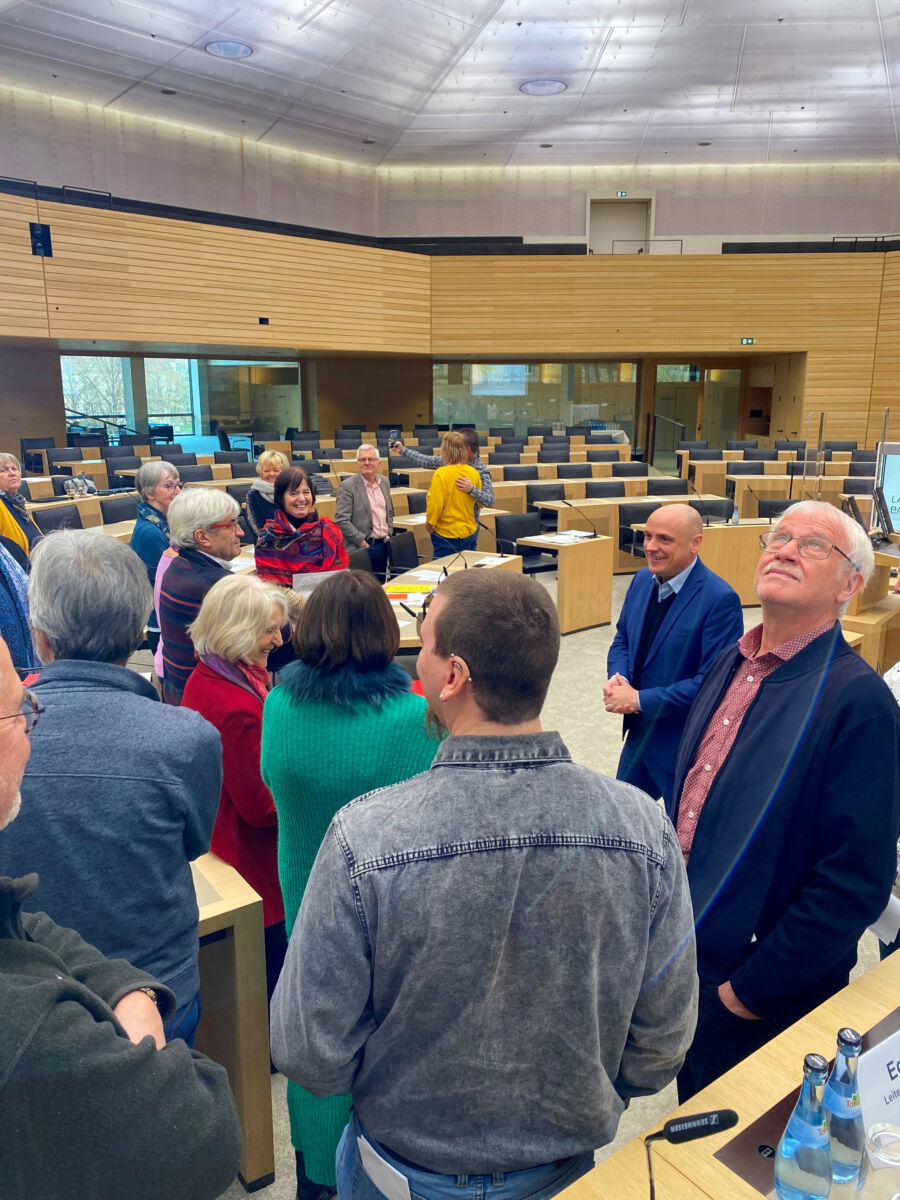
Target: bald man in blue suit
{"points": [[677, 618]]}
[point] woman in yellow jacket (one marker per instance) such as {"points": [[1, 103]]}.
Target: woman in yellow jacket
{"points": [[16, 523], [450, 509]]}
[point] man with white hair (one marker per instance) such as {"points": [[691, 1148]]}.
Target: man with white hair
{"points": [[786, 797], [121, 791], [363, 510], [93, 1101], [203, 524]]}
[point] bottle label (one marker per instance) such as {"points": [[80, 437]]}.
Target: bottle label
{"points": [[843, 1106], [806, 1133]]}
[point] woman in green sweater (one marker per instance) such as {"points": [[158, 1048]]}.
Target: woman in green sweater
{"points": [[342, 722]]}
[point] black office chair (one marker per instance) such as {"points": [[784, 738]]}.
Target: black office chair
{"points": [[330, 452], [351, 429], [496, 458], [840, 445], [772, 509], [600, 439], [601, 489], [692, 446], [556, 439], [118, 508], [259, 439], [602, 456], [861, 468], [519, 473], [291, 432], [742, 468], [540, 431], [161, 433], [305, 441], [630, 469], [27, 447], [403, 553], [360, 560], [224, 439], [745, 444], [225, 456], [243, 470], [431, 431], [667, 487], [417, 502], [64, 454], [864, 456], [633, 514], [705, 455], [800, 467], [457, 425], [65, 516], [713, 510], [114, 465], [164, 449], [239, 492], [190, 460], [569, 470], [512, 443], [515, 525], [92, 441], [544, 491], [760, 456], [798, 447], [501, 431], [322, 485], [194, 474], [859, 486], [552, 455], [578, 431], [108, 452]]}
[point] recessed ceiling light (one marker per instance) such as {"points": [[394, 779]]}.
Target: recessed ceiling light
{"points": [[704, 143], [168, 91], [228, 49], [546, 145], [542, 87], [368, 141]]}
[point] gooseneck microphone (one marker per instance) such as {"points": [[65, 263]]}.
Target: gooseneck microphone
{"points": [[493, 533], [687, 1129], [703, 515], [582, 513]]}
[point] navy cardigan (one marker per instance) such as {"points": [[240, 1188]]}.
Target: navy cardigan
{"points": [[795, 848]]}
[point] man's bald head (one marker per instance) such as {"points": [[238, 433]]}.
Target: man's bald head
{"points": [[672, 539]]}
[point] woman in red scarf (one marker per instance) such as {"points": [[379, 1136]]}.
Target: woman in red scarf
{"points": [[297, 540], [239, 623]]}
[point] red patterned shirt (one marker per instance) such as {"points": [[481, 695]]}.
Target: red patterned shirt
{"points": [[719, 735]]}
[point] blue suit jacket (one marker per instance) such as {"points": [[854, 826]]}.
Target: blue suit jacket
{"points": [[705, 618]]}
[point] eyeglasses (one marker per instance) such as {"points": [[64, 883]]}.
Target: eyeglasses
{"points": [[225, 525], [171, 485], [419, 616], [31, 708], [810, 545]]}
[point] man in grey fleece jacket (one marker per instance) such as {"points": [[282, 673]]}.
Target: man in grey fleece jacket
{"points": [[93, 1103]]}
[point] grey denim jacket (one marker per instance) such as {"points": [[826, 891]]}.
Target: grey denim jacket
{"points": [[491, 957]]}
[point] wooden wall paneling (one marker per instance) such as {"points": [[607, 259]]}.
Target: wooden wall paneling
{"points": [[119, 276], [372, 390], [31, 397], [886, 375], [23, 305]]}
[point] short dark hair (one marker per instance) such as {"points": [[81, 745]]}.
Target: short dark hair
{"points": [[470, 437], [347, 621], [289, 480], [505, 627]]}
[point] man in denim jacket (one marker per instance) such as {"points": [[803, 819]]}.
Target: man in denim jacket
{"points": [[496, 955]]}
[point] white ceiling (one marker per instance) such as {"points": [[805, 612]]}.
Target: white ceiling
{"points": [[435, 82]]}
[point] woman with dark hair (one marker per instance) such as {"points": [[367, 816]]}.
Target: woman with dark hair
{"points": [[297, 540], [342, 722]]}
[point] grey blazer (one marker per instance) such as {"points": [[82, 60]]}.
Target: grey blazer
{"points": [[353, 514]]}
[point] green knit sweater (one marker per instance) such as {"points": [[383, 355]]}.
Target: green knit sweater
{"points": [[327, 739]]}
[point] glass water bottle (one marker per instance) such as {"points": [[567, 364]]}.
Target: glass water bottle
{"points": [[803, 1158], [845, 1123]]}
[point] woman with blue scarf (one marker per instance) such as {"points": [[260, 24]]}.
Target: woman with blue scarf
{"points": [[14, 627], [158, 483]]}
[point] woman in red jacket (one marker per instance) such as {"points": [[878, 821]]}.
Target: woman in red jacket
{"points": [[239, 623], [297, 540]]}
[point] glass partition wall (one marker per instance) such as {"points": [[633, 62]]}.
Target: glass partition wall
{"points": [[602, 395]]}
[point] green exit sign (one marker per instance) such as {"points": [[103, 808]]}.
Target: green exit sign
{"points": [[620, 195], [748, 341]]}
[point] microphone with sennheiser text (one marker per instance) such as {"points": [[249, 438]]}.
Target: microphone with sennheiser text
{"points": [[686, 1129]]}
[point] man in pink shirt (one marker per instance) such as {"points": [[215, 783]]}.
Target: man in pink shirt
{"points": [[786, 799], [364, 512]]}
